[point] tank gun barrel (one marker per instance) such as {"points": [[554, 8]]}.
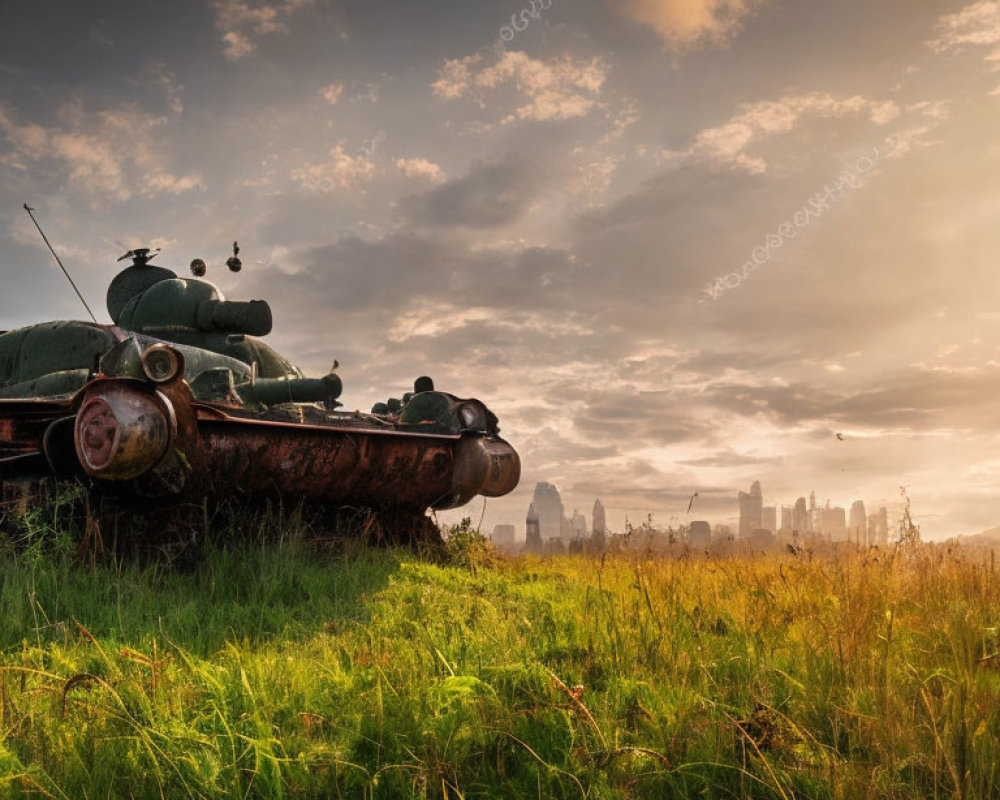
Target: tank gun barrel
{"points": [[272, 391], [251, 317]]}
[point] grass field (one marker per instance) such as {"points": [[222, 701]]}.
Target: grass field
{"points": [[286, 670]]}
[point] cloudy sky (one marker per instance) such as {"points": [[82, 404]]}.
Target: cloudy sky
{"points": [[676, 245]]}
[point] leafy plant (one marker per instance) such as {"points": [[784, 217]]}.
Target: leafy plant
{"points": [[466, 546]]}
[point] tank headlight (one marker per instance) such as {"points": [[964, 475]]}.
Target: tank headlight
{"points": [[162, 363], [121, 433]]}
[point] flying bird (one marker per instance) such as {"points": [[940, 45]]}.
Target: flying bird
{"points": [[691, 502], [840, 436]]}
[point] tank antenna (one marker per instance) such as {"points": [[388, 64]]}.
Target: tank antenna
{"points": [[45, 238]]}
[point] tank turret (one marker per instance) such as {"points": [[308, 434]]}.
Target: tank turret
{"points": [[153, 301], [147, 299], [191, 305]]}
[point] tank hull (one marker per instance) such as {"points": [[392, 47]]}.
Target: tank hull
{"points": [[199, 449]]}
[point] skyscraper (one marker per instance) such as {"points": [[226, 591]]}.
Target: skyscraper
{"points": [[800, 516], [751, 510], [549, 508], [699, 534], [858, 522], [532, 532], [873, 529], [883, 526], [786, 518], [600, 524]]}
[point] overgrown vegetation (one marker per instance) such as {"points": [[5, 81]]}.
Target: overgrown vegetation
{"points": [[279, 667], [466, 546]]}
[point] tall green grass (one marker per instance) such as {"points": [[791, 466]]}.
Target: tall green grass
{"points": [[277, 669]]}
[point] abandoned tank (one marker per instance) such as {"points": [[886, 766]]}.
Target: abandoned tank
{"points": [[180, 400]]}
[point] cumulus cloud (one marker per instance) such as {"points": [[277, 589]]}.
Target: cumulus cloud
{"points": [[562, 88], [420, 168], [113, 154], [727, 145], [685, 24], [242, 22], [977, 24], [342, 171]]}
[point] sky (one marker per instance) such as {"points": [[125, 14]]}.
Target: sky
{"points": [[675, 245]]}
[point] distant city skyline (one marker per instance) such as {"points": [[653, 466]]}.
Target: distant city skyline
{"points": [[547, 517]]}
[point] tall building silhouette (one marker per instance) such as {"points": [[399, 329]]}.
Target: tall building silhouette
{"points": [[858, 522], [786, 518], [800, 516], [882, 534], [751, 510], [599, 533], [832, 522], [599, 521], [549, 508], [699, 534], [532, 533]]}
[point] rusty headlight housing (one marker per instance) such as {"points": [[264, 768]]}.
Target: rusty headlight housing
{"points": [[162, 363], [121, 432]]}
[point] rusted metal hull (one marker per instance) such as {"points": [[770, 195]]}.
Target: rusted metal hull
{"points": [[156, 441], [23, 423], [330, 465]]}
